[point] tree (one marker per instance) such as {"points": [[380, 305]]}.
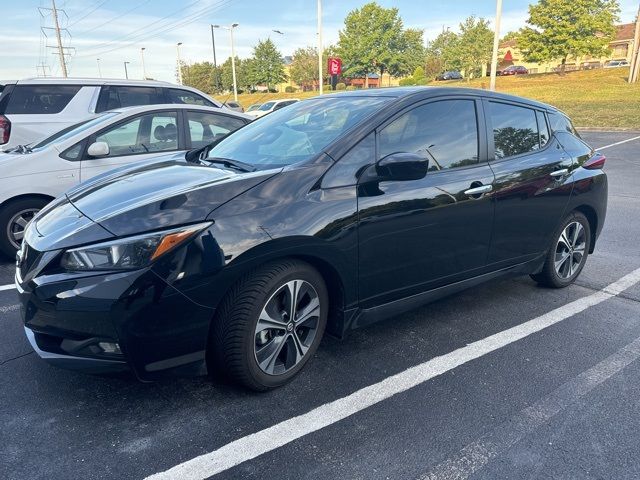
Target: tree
{"points": [[473, 46], [512, 35], [267, 67], [559, 29], [371, 41], [199, 75], [304, 66], [411, 54], [441, 54]]}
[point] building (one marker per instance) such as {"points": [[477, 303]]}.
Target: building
{"points": [[621, 48]]}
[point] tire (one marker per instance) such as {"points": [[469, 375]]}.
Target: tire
{"points": [[570, 253], [10, 231], [254, 341]]}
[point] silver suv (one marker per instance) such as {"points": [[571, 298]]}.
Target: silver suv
{"points": [[35, 108]]}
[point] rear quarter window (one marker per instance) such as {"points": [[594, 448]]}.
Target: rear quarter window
{"points": [[561, 123], [40, 99]]}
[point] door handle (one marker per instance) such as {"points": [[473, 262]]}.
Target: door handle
{"points": [[559, 173], [479, 190]]}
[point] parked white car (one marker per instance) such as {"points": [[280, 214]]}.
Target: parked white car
{"points": [[271, 106], [616, 64], [30, 177], [35, 108]]}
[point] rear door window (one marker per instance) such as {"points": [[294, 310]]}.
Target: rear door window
{"points": [[515, 129], [206, 128], [177, 95], [40, 99], [128, 96]]}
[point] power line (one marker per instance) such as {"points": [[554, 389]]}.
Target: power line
{"points": [[88, 13], [166, 28], [117, 17]]}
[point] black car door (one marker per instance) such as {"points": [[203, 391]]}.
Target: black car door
{"points": [[419, 234], [533, 181]]}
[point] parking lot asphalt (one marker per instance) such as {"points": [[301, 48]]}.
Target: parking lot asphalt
{"points": [[559, 402]]}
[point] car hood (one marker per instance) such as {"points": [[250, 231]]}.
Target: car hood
{"points": [[136, 200]]}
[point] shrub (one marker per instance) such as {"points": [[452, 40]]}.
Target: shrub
{"points": [[273, 90], [350, 88], [290, 89], [340, 86]]}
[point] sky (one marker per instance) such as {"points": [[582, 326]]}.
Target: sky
{"points": [[114, 31]]}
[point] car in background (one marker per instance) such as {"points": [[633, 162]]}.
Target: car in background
{"points": [[616, 64], [34, 108], [235, 106], [513, 70], [253, 107], [450, 75], [271, 106], [30, 177], [330, 214]]}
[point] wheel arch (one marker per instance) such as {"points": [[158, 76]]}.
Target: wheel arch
{"points": [[592, 217], [39, 196]]}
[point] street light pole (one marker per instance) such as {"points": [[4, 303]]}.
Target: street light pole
{"points": [[233, 57], [126, 74], [144, 69], [99, 71], [496, 42], [320, 46], [179, 63]]}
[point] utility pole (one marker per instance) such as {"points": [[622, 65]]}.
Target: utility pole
{"points": [[320, 75], [216, 74], [144, 70], [179, 63], [233, 57], [496, 43], [63, 63], [126, 73], [634, 71], [99, 70]]}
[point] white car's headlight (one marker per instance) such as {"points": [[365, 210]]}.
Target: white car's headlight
{"points": [[128, 253]]}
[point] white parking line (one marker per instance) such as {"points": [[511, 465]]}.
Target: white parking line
{"points": [[7, 287], [9, 308], [618, 143], [251, 446], [478, 453]]}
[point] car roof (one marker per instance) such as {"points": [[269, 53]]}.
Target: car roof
{"points": [[428, 91], [179, 106], [93, 81]]}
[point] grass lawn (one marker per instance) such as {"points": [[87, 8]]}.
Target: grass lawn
{"points": [[592, 98]]}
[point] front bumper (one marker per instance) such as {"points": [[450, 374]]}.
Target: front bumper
{"points": [[147, 325]]}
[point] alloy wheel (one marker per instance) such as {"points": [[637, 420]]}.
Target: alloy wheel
{"points": [[287, 327], [570, 250], [17, 225]]}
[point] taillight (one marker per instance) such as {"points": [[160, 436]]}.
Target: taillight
{"points": [[596, 162], [5, 129]]}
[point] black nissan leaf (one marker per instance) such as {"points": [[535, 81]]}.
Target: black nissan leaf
{"points": [[327, 215]]}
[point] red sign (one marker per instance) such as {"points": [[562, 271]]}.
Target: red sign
{"points": [[335, 66]]}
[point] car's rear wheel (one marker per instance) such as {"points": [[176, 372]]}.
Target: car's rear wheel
{"points": [[568, 254], [14, 218], [269, 325]]}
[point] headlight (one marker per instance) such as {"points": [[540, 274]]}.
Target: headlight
{"points": [[128, 253]]}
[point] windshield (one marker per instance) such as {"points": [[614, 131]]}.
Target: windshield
{"points": [[253, 107], [73, 130], [296, 133], [266, 106]]}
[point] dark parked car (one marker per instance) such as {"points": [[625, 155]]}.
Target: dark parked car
{"points": [[329, 214], [451, 75], [513, 70]]}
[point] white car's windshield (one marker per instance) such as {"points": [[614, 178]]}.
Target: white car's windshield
{"points": [[266, 106], [73, 130], [296, 133]]}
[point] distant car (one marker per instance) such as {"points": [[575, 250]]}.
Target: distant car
{"points": [[30, 177], [271, 106], [616, 64], [513, 70], [450, 75], [253, 107], [34, 108], [235, 106]]}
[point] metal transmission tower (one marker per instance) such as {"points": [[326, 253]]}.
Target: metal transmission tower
{"points": [[62, 51]]}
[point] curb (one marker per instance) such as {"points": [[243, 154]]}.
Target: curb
{"points": [[608, 129]]}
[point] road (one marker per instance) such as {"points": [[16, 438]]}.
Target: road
{"points": [[506, 380]]}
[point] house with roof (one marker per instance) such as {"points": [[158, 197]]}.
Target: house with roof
{"points": [[621, 49]]}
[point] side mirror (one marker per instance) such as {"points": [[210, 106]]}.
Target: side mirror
{"points": [[402, 166], [98, 149]]}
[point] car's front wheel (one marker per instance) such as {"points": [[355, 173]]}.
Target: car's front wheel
{"points": [[568, 253], [14, 218], [269, 325]]}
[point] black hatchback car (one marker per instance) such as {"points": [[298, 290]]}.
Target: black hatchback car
{"points": [[330, 214]]}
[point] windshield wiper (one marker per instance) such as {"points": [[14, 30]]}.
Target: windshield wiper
{"points": [[236, 164]]}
